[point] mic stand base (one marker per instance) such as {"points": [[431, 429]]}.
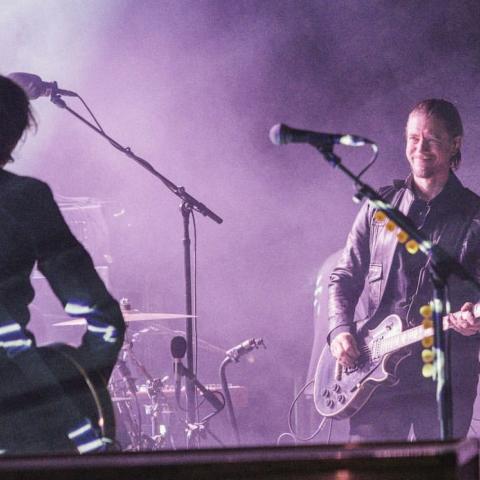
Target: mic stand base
{"points": [[198, 430]]}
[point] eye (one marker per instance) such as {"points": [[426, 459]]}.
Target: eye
{"points": [[433, 141]]}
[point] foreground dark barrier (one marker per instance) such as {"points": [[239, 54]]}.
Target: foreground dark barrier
{"points": [[405, 461]]}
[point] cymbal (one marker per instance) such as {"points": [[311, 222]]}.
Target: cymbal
{"points": [[133, 316]]}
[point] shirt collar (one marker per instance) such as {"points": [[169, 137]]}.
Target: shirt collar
{"points": [[446, 197]]}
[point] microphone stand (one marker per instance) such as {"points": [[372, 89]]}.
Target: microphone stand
{"points": [[189, 204], [233, 355], [228, 399], [197, 428], [441, 265]]}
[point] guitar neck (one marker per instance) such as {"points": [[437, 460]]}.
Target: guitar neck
{"points": [[406, 338]]}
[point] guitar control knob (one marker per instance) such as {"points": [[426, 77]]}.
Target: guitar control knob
{"points": [[330, 403], [325, 393], [337, 388], [341, 398]]}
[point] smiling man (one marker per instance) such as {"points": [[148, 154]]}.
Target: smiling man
{"points": [[392, 281]]}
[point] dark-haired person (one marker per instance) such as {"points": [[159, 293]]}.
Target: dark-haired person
{"points": [[34, 416], [377, 268]]}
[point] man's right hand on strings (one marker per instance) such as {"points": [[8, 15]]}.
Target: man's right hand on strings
{"points": [[344, 349]]}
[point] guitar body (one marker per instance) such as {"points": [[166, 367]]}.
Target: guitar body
{"points": [[87, 390], [44, 395], [341, 397]]}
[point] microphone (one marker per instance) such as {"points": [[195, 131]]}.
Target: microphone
{"points": [[35, 87], [281, 134], [178, 348], [248, 345]]}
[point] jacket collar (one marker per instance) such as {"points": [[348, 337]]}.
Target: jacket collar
{"points": [[449, 196]]}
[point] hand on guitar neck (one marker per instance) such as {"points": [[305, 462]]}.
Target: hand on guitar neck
{"points": [[466, 321]]}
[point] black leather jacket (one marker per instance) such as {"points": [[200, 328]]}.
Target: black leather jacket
{"points": [[361, 275]]}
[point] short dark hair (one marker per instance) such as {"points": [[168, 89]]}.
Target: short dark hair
{"points": [[15, 117], [448, 113]]}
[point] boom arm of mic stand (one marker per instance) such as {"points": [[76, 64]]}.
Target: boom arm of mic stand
{"points": [[178, 191], [210, 397]]}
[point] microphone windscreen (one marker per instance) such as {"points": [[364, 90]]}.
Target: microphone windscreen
{"points": [[31, 84], [276, 134], [178, 347]]}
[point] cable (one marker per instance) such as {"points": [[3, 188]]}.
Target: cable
{"points": [[91, 113], [285, 434], [329, 436], [372, 160], [290, 425], [112, 142]]}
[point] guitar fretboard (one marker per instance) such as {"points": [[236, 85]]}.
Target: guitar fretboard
{"points": [[403, 339]]}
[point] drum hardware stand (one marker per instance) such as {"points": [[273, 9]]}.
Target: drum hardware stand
{"points": [[158, 403], [158, 407], [131, 389], [189, 204], [124, 409], [233, 355]]}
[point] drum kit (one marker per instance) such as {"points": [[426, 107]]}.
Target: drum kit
{"points": [[148, 410]]}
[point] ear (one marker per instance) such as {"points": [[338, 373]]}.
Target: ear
{"points": [[456, 144]]}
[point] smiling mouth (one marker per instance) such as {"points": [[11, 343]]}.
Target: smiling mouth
{"points": [[423, 159]]}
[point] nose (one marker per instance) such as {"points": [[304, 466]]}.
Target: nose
{"points": [[423, 145]]}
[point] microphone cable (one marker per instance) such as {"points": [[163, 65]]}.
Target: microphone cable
{"points": [[293, 433]]}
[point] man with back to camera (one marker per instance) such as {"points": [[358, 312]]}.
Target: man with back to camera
{"points": [[34, 231], [377, 267]]}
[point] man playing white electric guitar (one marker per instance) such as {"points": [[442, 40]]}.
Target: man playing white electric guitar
{"points": [[376, 266]]}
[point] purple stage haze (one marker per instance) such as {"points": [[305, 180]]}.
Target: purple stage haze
{"points": [[194, 87]]}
